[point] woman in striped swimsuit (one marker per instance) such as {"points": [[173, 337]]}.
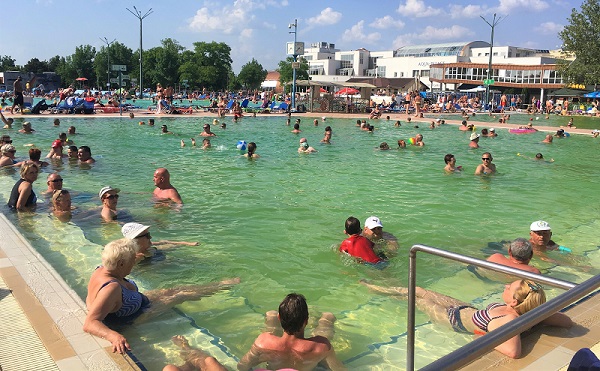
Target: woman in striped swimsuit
{"points": [[519, 297], [112, 296]]}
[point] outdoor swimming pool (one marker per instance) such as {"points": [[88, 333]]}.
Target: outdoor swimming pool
{"points": [[277, 221]]}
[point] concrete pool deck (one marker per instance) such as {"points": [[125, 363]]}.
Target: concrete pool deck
{"points": [[41, 318]]}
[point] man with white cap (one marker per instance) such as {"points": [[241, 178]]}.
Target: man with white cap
{"points": [[540, 237], [373, 230], [145, 248], [492, 133], [474, 141], [109, 197]]}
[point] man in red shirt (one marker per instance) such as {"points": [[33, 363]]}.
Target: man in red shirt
{"points": [[356, 245]]}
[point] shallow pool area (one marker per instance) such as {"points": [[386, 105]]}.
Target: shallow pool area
{"points": [[276, 222]]}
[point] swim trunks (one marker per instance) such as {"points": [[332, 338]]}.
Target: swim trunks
{"points": [[18, 98]]}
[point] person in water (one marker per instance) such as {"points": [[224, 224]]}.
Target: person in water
{"points": [[22, 197], [284, 344], [251, 151], [519, 297], [486, 166], [111, 296]]}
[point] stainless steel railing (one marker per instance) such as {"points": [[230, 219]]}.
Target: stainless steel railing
{"points": [[483, 344]]}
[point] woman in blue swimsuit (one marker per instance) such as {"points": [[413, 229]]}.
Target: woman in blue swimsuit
{"points": [[519, 297], [110, 294]]}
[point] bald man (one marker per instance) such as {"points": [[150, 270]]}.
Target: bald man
{"points": [[164, 190]]}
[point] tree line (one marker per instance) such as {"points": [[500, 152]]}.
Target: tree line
{"points": [[208, 66]]}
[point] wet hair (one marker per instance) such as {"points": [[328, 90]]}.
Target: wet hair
{"points": [[86, 149], [464, 122], [296, 126], [293, 313], [72, 129], [357, 122], [401, 143], [484, 131], [384, 145], [116, 251], [448, 158], [352, 225], [35, 154], [57, 195], [521, 250], [62, 136], [328, 128], [530, 295], [251, 149], [539, 156], [72, 148]]}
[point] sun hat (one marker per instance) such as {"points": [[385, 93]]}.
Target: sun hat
{"points": [[474, 136], [133, 230], [492, 129], [373, 222], [215, 122], [57, 143], [26, 123], [108, 189], [539, 225]]}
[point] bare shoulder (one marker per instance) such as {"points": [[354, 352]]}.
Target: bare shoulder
{"points": [[267, 341]]}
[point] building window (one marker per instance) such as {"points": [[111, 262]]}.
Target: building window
{"points": [[415, 73], [495, 54], [424, 73]]}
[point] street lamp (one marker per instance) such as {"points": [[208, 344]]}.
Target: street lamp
{"points": [[295, 32], [489, 71], [141, 17], [105, 40]]}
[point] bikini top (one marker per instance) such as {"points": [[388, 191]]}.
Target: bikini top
{"points": [[482, 318], [132, 300]]}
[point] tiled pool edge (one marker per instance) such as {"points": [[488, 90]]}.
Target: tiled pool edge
{"points": [[52, 308]]}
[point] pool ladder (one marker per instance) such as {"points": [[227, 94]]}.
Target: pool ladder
{"points": [[483, 344]]}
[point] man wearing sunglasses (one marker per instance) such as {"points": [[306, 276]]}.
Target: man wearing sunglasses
{"points": [[109, 197], [486, 166], [55, 183]]}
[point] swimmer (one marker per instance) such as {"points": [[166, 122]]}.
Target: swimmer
{"points": [[251, 149], [7, 121], [486, 166], [357, 245], [164, 130], [195, 358], [560, 133], [450, 161], [327, 138], [164, 189], [143, 244], [397, 123], [419, 140], [385, 242], [109, 198], [316, 122], [205, 143], [150, 122], [463, 126], [595, 133], [401, 143], [296, 128], [548, 139], [384, 146], [520, 253], [304, 147], [56, 122], [193, 141], [474, 140], [206, 131]]}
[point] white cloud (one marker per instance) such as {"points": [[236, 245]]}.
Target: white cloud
{"points": [[468, 11], [507, 6], [432, 34], [327, 17], [246, 33], [356, 35], [549, 28], [387, 22], [417, 8], [227, 19]]}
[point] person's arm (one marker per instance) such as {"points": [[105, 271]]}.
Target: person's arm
{"points": [[512, 346], [558, 320], [167, 242], [106, 301], [333, 362], [174, 195], [252, 358], [4, 120], [478, 169], [24, 192]]}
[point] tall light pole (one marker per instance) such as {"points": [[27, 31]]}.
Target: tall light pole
{"points": [[489, 71], [105, 40], [295, 32], [141, 17]]}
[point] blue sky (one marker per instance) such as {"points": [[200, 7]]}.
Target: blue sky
{"points": [[259, 29]]}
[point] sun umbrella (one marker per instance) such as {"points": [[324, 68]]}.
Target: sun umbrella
{"points": [[347, 91], [81, 79]]}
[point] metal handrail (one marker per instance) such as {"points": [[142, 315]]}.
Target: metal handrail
{"points": [[480, 346]]}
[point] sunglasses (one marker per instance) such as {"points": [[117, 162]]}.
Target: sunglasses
{"points": [[144, 235], [7, 141], [486, 159], [112, 197], [56, 180]]}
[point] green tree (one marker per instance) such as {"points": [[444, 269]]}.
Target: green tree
{"points": [[286, 72], [234, 82], [36, 66], [7, 63], [580, 38], [66, 70], [208, 66], [252, 75], [53, 63], [117, 53], [82, 62]]}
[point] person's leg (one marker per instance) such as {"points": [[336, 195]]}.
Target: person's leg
{"points": [[166, 298], [196, 358]]}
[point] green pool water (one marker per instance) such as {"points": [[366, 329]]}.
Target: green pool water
{"points": [[276, 222]]}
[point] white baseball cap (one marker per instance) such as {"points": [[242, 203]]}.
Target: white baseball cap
{"points": [[373, 222], [539, 225]]}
